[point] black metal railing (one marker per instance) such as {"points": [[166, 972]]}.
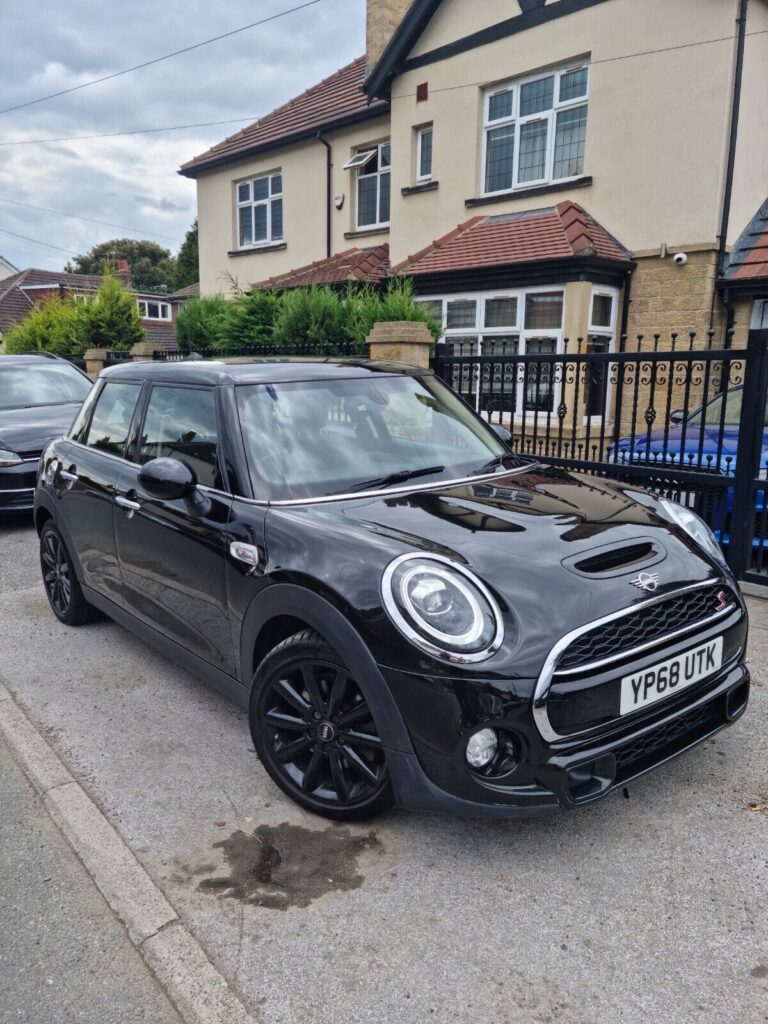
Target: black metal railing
{"points": [[320, 350], [681, 415]]}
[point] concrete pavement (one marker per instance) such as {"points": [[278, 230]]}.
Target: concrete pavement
{"points": [[646, 910], [63, 955]]}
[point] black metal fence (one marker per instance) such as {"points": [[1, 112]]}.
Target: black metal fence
{"points": [[681, 415], [343, 349]]}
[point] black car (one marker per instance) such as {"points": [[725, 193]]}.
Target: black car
{"points": [[39, 398], [410, 612]]}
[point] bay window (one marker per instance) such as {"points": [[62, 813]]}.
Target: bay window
{"points": [[259, 204], [522, 322], [535, 130]]}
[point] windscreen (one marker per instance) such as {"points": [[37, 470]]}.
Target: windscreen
{"points": [[314, 438], [23, 387]]}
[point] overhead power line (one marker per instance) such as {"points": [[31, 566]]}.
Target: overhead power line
{"points": [[132, 131], [90, 220], [165, 56], [36, 241]]}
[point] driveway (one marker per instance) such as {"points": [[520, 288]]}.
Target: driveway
{"points": [[645, 909]]}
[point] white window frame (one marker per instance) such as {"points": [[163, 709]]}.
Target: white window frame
{"points": [[357, 163], [524, 334], [420, 133], [163, 307], [604, 332], [760, 315], [267, 202], [514, 86]]}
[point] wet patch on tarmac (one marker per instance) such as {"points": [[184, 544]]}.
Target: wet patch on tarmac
{"points": [[283, 866]]}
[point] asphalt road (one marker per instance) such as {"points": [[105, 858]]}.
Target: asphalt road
{"points": [[651, 909], [63, 956]]}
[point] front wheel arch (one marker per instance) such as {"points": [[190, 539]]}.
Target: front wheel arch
{"points": [[288, 601]]}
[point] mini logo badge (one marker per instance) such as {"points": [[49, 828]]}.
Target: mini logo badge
{"points": [[646, 581]]}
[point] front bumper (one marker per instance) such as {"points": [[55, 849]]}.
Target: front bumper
{"points": [[17, 486], [551, 776]]}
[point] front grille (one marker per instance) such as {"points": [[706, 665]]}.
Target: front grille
{"points": [[666, 740], [645, 625]]}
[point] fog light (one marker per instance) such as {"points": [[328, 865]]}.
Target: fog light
{"points": [[482, 747]]}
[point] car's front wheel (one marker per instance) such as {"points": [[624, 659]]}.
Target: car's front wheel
{"points": [[315, 733], [61, 587]]}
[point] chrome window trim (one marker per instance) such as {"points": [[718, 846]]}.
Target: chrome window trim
{"points": [[326, 499], [32, 458], [17, 490], [418, 639], [544, 682]]}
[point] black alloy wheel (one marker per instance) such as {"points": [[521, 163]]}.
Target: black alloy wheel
{"points": [[315, 732], [61, 587]]}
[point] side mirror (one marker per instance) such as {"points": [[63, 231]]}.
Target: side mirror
{"points": [[167, 479], [677, 416], [504, 435]]}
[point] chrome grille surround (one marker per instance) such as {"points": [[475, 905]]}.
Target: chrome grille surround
{"points": [[544, 682]]}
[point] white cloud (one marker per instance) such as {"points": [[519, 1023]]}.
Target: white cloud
{"points": [[133, 181]]}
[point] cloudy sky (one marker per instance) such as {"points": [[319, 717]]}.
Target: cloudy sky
{"points": [[48, 45]]}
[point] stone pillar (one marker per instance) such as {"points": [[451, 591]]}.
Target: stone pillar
{"points": [[143, 351], [95, 361], [401, 341]]}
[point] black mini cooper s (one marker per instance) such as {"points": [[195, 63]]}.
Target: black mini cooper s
{"points": [[409, 611]]}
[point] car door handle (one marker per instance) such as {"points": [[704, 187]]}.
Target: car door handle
{"points": [[71, 478], [128, 506]]}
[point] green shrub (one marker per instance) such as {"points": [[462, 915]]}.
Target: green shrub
{"points": [[312, 316], [201, 323], [55, 326], [251, 319], [112, 320]]}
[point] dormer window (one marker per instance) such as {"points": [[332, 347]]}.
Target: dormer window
{"points": [[535, 130], [372, 166]]}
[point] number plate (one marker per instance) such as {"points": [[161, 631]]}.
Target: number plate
{"points": [[665, 679]]}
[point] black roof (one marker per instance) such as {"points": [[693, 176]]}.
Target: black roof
{"points": [[32, 358], [252, 371]]}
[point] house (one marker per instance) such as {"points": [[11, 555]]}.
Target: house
{"points": [[542, 169], [7, 269], [23, 290]]}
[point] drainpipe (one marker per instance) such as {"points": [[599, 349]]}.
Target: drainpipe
{"points": [[625, 308], [729, 174], [328, 190]]}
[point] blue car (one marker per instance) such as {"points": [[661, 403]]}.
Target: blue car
{"points": [[704, 441]]}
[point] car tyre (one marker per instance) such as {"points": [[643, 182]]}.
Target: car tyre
{"points": [[315, 733], [61, 586]]}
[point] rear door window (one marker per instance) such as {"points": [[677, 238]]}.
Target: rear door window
{"points": [[112, 417], [180, 423]]}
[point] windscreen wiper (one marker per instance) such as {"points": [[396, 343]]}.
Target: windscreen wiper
{"points": [[390, 480], [500, 460]]}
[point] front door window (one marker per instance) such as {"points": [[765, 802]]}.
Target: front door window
{"points": [[180, 423]]}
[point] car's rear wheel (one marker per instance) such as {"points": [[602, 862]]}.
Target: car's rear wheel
{"points": [[61, 587], [315, 732]]}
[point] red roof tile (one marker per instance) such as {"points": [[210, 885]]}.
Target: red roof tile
{"points": [[562, 232], [363, 265], [749, 258], [337, 98]]}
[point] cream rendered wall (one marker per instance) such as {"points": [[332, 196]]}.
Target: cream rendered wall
{"points": [[750, 187], [656, 130], [304, 213]]}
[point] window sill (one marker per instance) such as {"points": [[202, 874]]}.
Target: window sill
{"points": [[364, 232], [538, 190], [276, 247], [423, 186]]}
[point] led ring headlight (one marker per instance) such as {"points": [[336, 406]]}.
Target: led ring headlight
{"points": [[442, 608]]}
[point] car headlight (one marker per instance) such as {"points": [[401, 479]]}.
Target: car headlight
{"points": [[441, 607], [8, 458], [696, 527]]}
